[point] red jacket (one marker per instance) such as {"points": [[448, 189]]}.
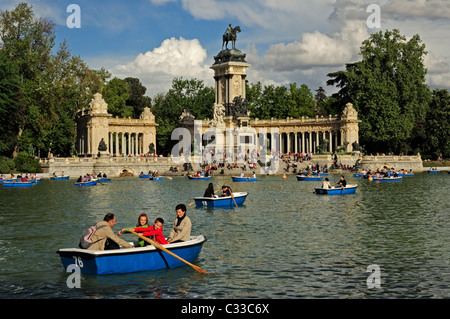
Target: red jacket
{"points": [[156, 234]]}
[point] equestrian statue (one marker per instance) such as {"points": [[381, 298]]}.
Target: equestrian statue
{"points": [[230, 35]]}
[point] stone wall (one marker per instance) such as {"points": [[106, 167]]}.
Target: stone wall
{"points": [[112, 166], [396, 161]]}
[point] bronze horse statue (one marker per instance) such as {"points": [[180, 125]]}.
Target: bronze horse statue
{"points": [[230, 37]]}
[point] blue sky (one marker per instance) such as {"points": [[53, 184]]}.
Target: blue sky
{"points": [[286, 41]]}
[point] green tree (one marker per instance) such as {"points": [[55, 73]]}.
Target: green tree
{"points": [[137, 100], [321, 101], [26, 163], [28, 41], [9, 95], [387, 88], [115, 94], [437, 125], [184, 94]]}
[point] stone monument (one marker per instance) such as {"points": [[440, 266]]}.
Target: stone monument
{"points": [[229, 74]]}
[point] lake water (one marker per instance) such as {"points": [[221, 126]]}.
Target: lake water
{"points": [[286, 242]]}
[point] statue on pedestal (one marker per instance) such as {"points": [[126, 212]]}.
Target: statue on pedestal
{"points": [[230, 35]]}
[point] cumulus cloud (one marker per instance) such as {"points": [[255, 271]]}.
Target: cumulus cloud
{"points": [[173, 58], [433, 9], [317, 53]]}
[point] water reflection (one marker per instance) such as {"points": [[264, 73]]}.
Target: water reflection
{"points": [[299, 244]]}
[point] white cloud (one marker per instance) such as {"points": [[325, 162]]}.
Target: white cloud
{"points": [[174, 58], [433, 9]]}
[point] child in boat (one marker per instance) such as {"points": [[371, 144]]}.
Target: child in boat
{"points": [[142, 222], [154, 231]]}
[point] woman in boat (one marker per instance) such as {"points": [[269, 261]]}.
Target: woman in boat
{"points": [[326, 184], [209, 192], [182, 225], [142, 222]]}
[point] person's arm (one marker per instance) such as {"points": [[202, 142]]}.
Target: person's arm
{"points": [[152, 232], [185, 230], [110, 234]]}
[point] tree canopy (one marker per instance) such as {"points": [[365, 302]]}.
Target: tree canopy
{"points": [[387, 88], [41, 90]]}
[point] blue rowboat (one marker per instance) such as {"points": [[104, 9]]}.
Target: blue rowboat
{"points": [[200, 177], [320, 174], [433, 172], [155, 178], [408, 174], [105, 179], [57, 178], [91, 183], [358, 175], [243, 179], [387, 179], [221, 201], [145, 176], [126, 260], [308, 178], [349, 189], [17, 184]]}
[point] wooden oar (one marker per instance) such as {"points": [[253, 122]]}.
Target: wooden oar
{"points": [[158, 246], [343, 188], [232, 196], [214, 193]]}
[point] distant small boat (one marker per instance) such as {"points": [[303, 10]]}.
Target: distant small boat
{"points": [[433, 172], [320, 173], [387, 179], [155, 178], [145, 176], [308, 178], [105, 179], [349, 189], [90, 183], [18, 184], [221, 201], [243, 179], [56, 178], [358, 175], [199, 177]]}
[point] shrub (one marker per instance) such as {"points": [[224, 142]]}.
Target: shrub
{"points": [[6, 165], [26, 163]]}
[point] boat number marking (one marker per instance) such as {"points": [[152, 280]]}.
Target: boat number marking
{"points": [[78, 261]]}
